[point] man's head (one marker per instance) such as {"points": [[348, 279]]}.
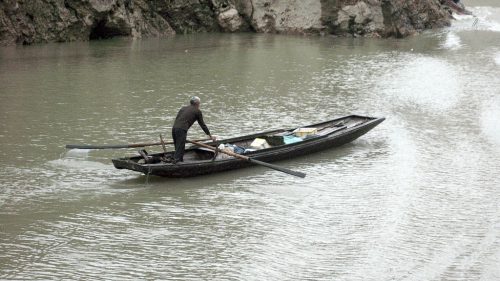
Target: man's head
{"points": [[195, 101]]}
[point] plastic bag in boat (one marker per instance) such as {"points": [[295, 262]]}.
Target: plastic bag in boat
{"points": [[229, 148], [291, 139], [222, 155]]}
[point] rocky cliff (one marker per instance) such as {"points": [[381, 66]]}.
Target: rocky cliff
{"points": [[35, 21]]}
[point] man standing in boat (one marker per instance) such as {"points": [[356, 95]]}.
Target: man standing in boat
{"points": [[186, 116]]}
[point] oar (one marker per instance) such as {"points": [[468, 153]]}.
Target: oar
{"points": [[251, 160], [116, 146]]}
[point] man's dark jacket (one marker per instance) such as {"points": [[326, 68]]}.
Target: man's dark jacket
{"points": [[187, 116]]}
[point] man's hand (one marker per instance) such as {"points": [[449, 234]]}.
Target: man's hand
{"points": [[214, 138]]}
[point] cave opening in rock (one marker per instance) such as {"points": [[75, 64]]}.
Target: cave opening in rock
{"points": [[101, 30]]}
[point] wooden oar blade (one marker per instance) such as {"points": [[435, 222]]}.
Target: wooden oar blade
{"points": [[278, 168]]}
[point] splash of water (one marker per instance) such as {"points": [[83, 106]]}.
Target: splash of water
{"points": [[452, 42], [78, 164], [77, 153]]}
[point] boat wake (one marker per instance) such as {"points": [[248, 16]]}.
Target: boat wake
{"points": [[77, 153], [75, 163], [77, 159]]}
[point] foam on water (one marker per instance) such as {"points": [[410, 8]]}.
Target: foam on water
{"points": [[452, 42], [78, 164], [77, 153]]}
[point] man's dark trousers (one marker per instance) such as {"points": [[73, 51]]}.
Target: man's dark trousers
{"points": [[179, 137]]}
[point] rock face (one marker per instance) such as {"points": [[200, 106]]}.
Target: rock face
{"points": [[35, 21], [385, 18], [403, 18], [187, 16], [360, 18], [287, 16], [230, 20]]}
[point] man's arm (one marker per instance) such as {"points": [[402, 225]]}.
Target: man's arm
{"points": [[202, 123]]}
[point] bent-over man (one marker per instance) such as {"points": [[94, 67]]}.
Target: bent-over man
{"points": [[186, 116]]}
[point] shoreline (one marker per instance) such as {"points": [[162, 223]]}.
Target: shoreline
{"points": [[44, 21]]}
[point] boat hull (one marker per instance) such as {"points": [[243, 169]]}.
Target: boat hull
{"points": [[198, 168]]}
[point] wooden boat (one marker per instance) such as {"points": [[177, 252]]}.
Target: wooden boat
{"points": [[199, 161]]}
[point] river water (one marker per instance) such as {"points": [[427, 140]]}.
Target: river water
{"points": [[417, 198]]}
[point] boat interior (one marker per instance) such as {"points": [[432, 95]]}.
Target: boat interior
{"points": [[246, 145]]}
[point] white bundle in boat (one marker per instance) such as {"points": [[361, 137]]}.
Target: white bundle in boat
{"points": [[222, 155]]}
